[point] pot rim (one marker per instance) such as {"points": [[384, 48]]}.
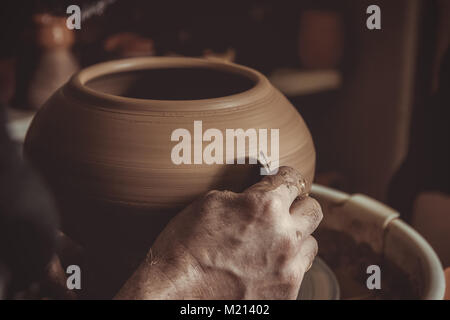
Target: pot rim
{"points": [[77, 85]]}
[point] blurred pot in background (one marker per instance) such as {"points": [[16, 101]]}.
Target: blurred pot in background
{"points": [[320, 39], [47, 63], [128, 45]]}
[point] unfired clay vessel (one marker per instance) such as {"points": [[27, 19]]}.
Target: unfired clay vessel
{"points": [[103, 141]]}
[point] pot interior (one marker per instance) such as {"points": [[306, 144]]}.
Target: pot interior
{"points": [[186, 83]]}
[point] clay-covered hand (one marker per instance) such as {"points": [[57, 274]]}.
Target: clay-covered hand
{"points": [[251, 245]]}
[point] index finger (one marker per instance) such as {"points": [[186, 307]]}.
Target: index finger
{"points": [[288, 183]]}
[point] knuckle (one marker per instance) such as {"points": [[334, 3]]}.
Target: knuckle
{"points": [[285, 170], [288, 246], [212, 196], [253, 198], [215, 204], [213, 193], [269, 180], [272, 204], [263, 202], [251, 202], [214, 199]]}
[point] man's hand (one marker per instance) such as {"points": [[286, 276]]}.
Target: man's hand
{"points": [[251, 245]]}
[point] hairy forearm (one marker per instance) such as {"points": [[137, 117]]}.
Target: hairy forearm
{"points": [[148, 283], [160, 279]]}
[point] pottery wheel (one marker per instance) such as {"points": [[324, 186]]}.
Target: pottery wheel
{"points": [[319, 283]]}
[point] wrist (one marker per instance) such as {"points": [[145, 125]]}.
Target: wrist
{"points": [[160, 279]]}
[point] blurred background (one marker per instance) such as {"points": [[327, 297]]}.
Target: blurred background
{"points": [[376, 101]]}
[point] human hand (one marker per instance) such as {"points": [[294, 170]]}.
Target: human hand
{"points": [[251, 245]]}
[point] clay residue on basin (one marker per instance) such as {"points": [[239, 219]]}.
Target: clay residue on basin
{"points": [[349, 261]]}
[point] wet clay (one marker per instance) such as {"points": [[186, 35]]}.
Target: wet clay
{"points": [[349, 261]]}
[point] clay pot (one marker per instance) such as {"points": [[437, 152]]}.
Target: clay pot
{"points": [[103, 142]]}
